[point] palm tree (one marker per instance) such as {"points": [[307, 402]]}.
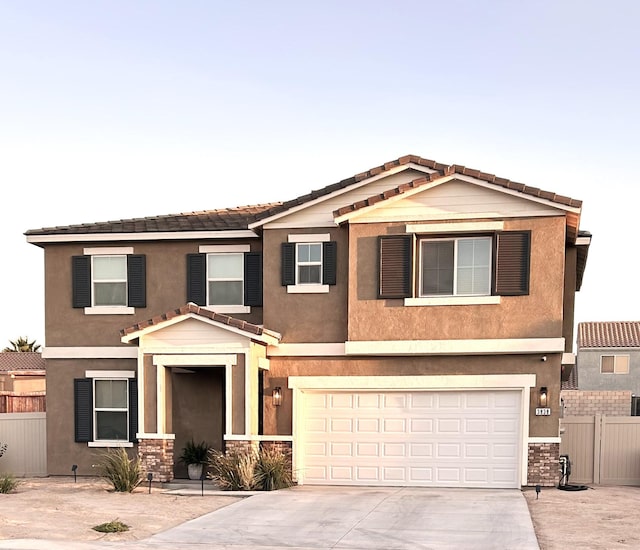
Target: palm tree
{"points": [[22, 344]]}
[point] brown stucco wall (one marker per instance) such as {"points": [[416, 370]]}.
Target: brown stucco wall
{"points": [[305, 317], [571, 258], [166, 290], [62, 450], [277, 420], [538, 315]]}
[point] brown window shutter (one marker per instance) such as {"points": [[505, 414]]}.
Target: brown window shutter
{"points": [[395, 266], [513, 258]]}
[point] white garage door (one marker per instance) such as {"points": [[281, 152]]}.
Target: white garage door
{"points": [[440, 439]]}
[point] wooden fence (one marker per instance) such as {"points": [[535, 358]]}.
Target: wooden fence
{"points": [[22, 402], [26, 437], [602, 449]]}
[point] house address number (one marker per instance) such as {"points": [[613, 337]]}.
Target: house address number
{"points": [[545, 411]]}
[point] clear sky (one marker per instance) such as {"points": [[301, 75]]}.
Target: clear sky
{"points": [[117, 109]]}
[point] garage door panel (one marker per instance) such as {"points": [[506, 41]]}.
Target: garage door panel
{"points": [[457, 438]]}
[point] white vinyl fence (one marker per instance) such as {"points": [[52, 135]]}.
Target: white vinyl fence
{"points": [[26, 437]]}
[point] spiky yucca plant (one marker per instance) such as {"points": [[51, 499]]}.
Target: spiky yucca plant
{"points": [[122, 472], [273, 470]]}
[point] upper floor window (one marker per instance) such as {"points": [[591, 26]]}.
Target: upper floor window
{"points": [[309, 263], [455, 267], [454, 270], [226, 278], [614, 364], [109, 280]]}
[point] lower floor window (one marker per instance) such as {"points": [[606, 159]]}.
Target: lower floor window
{"points": [[106, 408], [111, 410]]}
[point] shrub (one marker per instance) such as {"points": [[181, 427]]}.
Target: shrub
{"points": [[265, 470], [114, 526], [195, 453], [273, 470], [8, 483], [124, 473], [233, 471]]}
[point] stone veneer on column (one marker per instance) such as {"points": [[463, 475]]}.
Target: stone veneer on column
{"points": [[544, 464], [156, 456]]}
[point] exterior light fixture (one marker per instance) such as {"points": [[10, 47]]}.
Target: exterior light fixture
{"points": [[74, 469], [276, 396], [543, 398], [149, 479]]}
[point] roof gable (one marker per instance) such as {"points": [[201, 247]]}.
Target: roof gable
{"points": [[193, 311]]}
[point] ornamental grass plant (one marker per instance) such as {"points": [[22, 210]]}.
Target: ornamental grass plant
{"points": [[122, 472]]}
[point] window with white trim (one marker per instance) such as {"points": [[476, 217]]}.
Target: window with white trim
{"points": [[308, 263], [109, 280], [455, 266], [225, 279], [111, 409], [614, 364]]}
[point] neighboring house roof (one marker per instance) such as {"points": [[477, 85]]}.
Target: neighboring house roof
{"points": [[242, 217], [610, 334], [28, 361], [132, 332], [572, 382]]}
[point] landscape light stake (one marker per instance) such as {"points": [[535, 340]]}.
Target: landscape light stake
{"points": [[149, 478], [537, 491], [202, 483], [74, 469]]}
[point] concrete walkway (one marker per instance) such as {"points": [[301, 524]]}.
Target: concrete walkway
{"points": [[348, 518]]}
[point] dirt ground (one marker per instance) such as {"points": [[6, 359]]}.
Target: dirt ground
{"points": [[59, 509], [601, 517]]}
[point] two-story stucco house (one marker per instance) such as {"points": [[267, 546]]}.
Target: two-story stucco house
{"points": [[404, 326]]}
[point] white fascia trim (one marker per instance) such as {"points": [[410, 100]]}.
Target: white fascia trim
{"points": [[453, 301], [90, 353], [583, 241], [544, 440], [264, 363], [156, 236], [108, 250], [236, 437], [109, 310], [309, 238], [143, 435], [216, 349], [568, 359], [421, 382], [109, 444], [109, 374], [307, 289], [195, 360], [457, 227], [339, 192], [228, 309], [455, 347], [230, 248], [307, 350]]}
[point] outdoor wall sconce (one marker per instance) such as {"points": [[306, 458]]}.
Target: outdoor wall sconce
{"points": [[276, 396], [543, 397]]}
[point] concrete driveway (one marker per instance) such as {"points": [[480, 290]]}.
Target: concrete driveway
{"points": [[362, 518]]}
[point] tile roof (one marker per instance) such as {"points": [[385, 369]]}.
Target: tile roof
{"points": [[572, 382], [446, 171], [202, 312], [610, 334], [242, 217], [206, 220], [21, 361]]}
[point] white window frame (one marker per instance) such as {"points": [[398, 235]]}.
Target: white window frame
{"points": [[220, 249], [107, 310], [309, 238], [616, 357], [109, 375], [300, 263], [227, 308], [456, 241]]}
